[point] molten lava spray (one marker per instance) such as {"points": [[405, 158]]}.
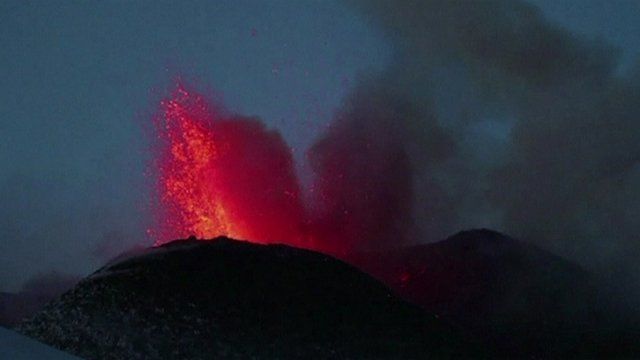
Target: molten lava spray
{"points": [[223, 176]]}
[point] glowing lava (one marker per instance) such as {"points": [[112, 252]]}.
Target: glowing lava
{"points": [[223, 176]]}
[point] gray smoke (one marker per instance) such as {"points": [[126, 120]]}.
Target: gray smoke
{"points": [[515, 124]]}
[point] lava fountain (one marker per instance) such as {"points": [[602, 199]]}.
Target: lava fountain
{"points": [[223, 175]]}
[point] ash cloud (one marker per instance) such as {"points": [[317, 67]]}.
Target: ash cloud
{"points": [[362, 193], [497, 118], [366, 173]]}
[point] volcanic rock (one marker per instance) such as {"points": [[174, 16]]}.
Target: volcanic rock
{"points": [[223, 298], [521, 300]]}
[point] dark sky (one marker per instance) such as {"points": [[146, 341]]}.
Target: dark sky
{"points": [[80, 80]]}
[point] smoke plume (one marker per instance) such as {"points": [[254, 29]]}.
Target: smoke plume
{"points": [[365, 177], [541, 126]]}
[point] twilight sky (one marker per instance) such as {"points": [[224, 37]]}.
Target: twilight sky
{"points": [[80, 80]]}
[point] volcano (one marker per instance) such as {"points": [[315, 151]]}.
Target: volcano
{"points": [[225, 298]]}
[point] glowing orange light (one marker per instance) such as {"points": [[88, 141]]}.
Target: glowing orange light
{"points": [[191, 205], [223, 176]]}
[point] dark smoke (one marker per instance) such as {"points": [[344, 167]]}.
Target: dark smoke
{"points": [[362, 194], [366, 175], [494, 117]]}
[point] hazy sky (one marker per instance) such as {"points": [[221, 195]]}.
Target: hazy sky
{"points": [[80, 80]]}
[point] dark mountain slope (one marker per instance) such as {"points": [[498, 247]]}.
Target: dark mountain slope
{"points": [[224, 298], [518, 298]]}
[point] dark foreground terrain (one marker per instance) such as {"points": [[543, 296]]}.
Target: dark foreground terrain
{"points": [[230, 299], [520, 300]]}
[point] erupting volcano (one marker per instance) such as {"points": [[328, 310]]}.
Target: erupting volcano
{"points": [[221, 175]]}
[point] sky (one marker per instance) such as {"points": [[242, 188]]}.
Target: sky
{"points": [[81, 80]]}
